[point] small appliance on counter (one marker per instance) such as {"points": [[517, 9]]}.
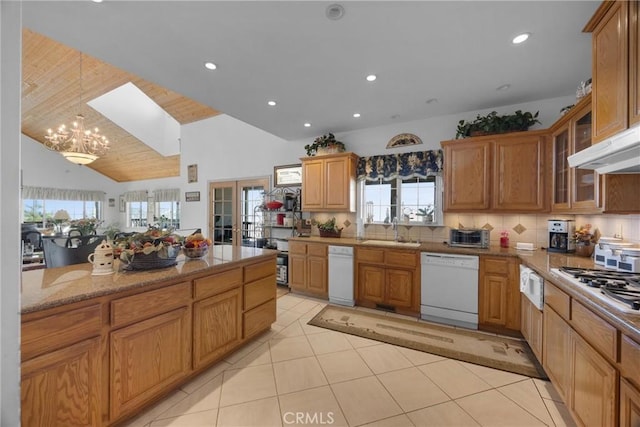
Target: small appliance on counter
{"points": [[469, 237], [603, 249], [561, 233]]}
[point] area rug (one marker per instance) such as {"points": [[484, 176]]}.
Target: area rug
{"points": [[504, 353]]}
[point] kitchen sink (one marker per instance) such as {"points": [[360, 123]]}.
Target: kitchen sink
{"points": [[390, 243]]}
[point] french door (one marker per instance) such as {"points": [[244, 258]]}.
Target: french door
{"points": [[234, 217]]}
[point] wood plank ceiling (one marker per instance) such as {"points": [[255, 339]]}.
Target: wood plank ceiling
{"points": [[50, 97]]}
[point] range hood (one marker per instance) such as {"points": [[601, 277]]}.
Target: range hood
{"points": [[618, 154]]}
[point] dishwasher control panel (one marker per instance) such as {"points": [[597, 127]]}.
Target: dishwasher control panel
{"points": [[451, 260]]}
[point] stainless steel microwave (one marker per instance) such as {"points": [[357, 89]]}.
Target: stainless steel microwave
{"points": [[469, 237]]}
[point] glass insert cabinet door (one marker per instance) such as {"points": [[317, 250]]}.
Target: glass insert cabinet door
{"points": [[234, 217]]}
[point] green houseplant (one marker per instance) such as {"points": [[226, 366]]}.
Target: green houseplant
{"points": [[493, 123], [329, 228], [325, 143], [426, 213]]}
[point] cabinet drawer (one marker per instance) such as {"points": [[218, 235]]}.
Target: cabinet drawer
{"points": [[297, 248], [401, 258], [370, 255], [259, 318], [557, 299], [259, 270], [255, 293], [600, 334], [630, 359], [217, 283], [59, 330], [316, 250], [147, 304], [496, 265]]}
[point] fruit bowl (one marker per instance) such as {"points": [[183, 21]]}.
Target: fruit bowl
{"points": [[195, 253], [274, 204]]}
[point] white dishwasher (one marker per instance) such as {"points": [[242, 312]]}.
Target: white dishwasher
{"points": [[341, 275], [449, 289]]}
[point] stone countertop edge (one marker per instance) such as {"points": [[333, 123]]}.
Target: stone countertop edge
{"points": [[53, 287], [539, 260]]}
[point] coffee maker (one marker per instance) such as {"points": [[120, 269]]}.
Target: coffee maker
{"points": [[561, 233]]}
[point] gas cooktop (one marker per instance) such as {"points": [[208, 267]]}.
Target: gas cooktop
{"points": [[619, 290]]}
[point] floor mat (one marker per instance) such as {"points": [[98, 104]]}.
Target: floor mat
{"points": [[504, 353]]}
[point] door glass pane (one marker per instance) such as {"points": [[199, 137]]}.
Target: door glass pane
{"points": [[251, 198], [561, 168], [585, 179], [223, 215]]}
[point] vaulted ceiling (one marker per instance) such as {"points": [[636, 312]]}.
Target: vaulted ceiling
{"points": [[51, 96]]}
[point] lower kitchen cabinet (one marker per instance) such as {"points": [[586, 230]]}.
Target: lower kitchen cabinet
{"points": [[62, 387], [308, 268], [499, 294], [629, 382], [388, 278], [531, 325], [555, 350], [629, 404]]}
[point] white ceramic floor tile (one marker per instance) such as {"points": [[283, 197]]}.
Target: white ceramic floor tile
{"points": [[286, 318], [525, 394], [205, 377], [412, 389], [444, 414], [198, 419], [152, 413], [290, 348], [490, 408], [559, 413], [547, 390], [343, 366], [313, 407], [258, 413], [259, 356], [309, 329], [242, 352], [359, 342], [287, 301], [205, 398], [384, 358], [243, 385], [453, 378], [293, 330], [397, 421], [298, 374], [494, 377], [365, 400], [419, 357], [304, 307], [329, 342]]}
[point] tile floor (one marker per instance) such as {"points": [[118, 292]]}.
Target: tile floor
{"points": [[297, 374]]}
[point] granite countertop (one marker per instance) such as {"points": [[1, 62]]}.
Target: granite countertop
{"points": [[52, 287], [539, 260]]}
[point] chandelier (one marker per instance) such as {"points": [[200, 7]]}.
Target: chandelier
{"points": [[76, 144]]}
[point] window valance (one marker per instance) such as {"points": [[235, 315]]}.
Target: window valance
{"points": [[135, 196], [167, 195], [417, 164], [44, 193]]}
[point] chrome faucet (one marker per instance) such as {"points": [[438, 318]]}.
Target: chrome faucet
{"points": [[394, 226]]}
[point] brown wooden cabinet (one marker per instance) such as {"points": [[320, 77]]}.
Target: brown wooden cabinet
{"points": [[555, 350], [613, 86], [259, 298], [531, 325], [308, 268], [499, 294], [388, 278], [503, 173], [634, 62], [629, 382], [329, 183], [629, 404]]}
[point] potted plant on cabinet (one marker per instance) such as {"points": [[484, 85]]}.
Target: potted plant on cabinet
{"points": [[492, 123], [325, 144]]}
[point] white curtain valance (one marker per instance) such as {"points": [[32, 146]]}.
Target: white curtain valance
{"points": [[44, 193], [167, 195], [135, 196]]}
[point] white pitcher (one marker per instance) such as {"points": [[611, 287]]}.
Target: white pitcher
{"points": [[102, 259]]}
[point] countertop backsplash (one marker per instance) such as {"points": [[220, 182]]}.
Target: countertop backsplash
{"points": [[522, 228]]}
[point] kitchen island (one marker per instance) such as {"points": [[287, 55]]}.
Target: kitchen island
{"points": [[97, 349]]}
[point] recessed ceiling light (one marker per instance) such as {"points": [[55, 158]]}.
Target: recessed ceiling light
{"points": [[520, 38], [432, 101], [335, 12], [503, 87], [210, 66], [97, 1], [395, 116], [272, 103], [356, 115], [371, 77], [307, 125]]}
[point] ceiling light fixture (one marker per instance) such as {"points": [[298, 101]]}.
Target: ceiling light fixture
{"points": [[272, 103], [432, 101], [210, 66], [335, 12], [371, 77], [520, 38], [503, 87], [307, 125], [356, 115], [77, 145]]}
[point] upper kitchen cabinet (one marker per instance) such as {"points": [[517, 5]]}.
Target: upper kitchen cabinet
{"points": [[329, 183], [502, 173], [616, 75]]}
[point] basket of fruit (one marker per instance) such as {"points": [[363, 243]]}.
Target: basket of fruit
{"points": [[196, 245], [150, 250]]}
